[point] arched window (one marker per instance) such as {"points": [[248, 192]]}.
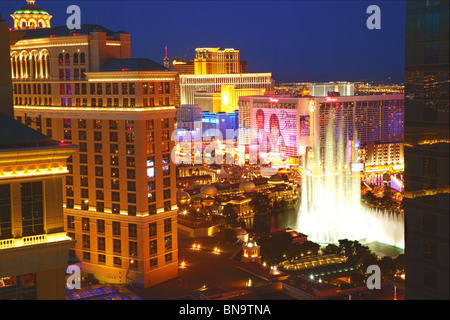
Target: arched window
{"points": [[61, 59], [75, 58], [82, 58], [19, 66], [47, 73], [67, 58], [27, 64], [32, 66]]}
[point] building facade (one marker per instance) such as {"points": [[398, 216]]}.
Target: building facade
{"points": [[211, 83], [426, 201], [120, 194], [216, 61], [34, 246], [296, 123]]}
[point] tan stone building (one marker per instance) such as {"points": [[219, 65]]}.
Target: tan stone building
{"points": [[33, 244], [82, 86]]}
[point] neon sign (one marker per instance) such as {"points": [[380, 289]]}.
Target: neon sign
{"points": [[330, 99], [273, 100]]}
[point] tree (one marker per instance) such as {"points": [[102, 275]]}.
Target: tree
{"points": [[388, 267], [309, 248], [230, 214], [261, 223], [260, 204], [331, 249], [229, 235]]}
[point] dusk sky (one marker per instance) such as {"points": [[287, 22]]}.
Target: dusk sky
{"points": [[304, 40]]}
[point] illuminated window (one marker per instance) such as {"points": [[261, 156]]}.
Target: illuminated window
{"points": [[132, 248], [114, 148], [101, 244], [168, 225], [71, 222], [5, 212], [124, 88], [117, 261], [152, 209], [32, 208], [168, 243], [101, 259], [114, 160], [116, 228], [115, 172], [85, 224], [115, 208], [130, 162], [115, 186], [129, 136], [112, 124], [130, 149], [100, 226], [97, 136], [153, 247], [152, 229], [117, 246]]}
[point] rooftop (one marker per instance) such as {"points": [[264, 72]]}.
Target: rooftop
{"points": [[63, 31], [14, 134], [132, 64]]}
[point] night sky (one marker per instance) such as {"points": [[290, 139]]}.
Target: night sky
{"points": [[295, 40]]}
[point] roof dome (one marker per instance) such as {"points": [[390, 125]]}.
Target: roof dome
{"points": [[276, 179], [251, 243], [208, 190], [247, 186], [183, 197], [31, 8]]}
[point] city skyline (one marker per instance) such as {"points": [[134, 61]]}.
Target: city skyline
{"points": [[315, 41]]}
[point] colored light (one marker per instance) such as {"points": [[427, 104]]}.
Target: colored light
{"points": [[273, 100]]}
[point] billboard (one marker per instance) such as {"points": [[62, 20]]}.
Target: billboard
{"points": [[304, 125], [275, 132]]}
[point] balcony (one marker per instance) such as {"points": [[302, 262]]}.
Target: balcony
{"points": [[32, 240]]}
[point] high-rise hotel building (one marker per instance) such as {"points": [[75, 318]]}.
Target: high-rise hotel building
{"points": [[426, 201], [34, 247], [217, 78], [216, 61], [82, 86], [303, 122]]}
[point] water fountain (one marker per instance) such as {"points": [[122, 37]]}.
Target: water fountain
{"points": [[331, 207]]}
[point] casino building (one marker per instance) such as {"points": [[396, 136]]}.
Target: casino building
{"points": [[83, 87], [302, 122]]}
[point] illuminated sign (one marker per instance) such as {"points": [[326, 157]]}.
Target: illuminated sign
{"points": [[276, 131], [330, 99], [207, 120], [273, 100], [304, 125]]}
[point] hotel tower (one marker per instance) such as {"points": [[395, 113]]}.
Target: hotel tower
{"points": [[82, 86]]}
